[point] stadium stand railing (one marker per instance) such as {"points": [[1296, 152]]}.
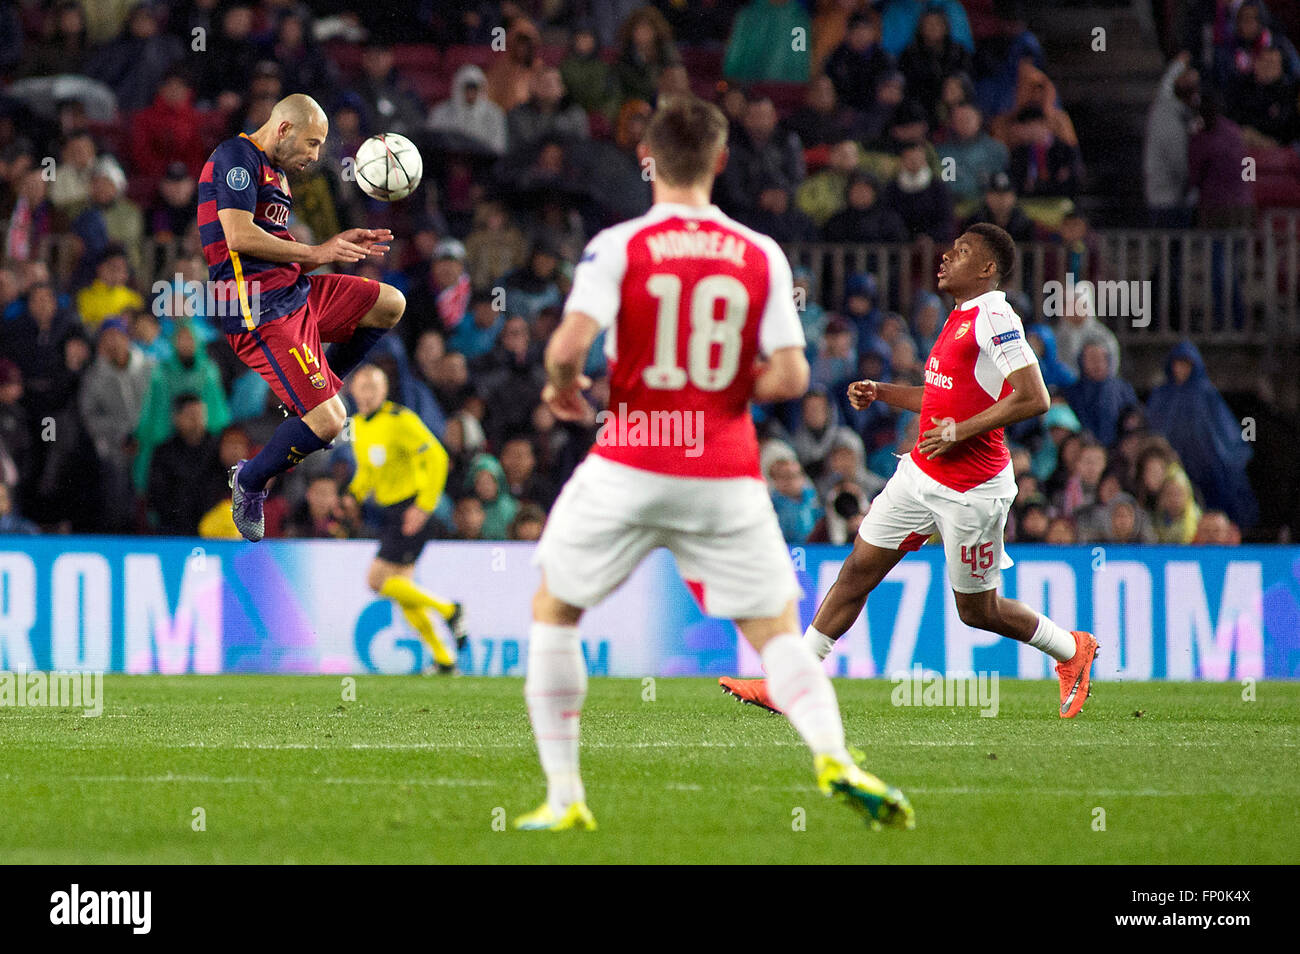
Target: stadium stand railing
{"points": [[1235, 286]]}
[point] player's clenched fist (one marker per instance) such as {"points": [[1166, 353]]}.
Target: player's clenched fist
{"points": [[861, 394]]}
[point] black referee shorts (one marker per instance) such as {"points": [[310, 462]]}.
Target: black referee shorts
{"points": [[396, 547]]}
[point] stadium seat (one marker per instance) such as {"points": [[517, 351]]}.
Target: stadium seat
{"points": [[346, 56], [554, 53], [415, 57], [454, 57], [703, 61], [599, 124], [1279, 160], [985, 22], [111, 136], [787, 97], [1275, 191], [432, 88], [1277, 178]]}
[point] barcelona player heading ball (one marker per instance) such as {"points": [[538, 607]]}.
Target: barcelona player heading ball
{"points": [[275, 315]]}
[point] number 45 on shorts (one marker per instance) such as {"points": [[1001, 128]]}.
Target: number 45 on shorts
{"points": [[978, 559]]}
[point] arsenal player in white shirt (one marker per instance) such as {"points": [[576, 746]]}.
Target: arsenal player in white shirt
{"points": [[980, 376], [700, 317]]}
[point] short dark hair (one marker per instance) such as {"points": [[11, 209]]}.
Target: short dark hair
{"points": [[1000, 244], [184, 400], [685, 137]]}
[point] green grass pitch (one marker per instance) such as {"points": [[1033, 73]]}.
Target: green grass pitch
{"points": [[425, 770]]}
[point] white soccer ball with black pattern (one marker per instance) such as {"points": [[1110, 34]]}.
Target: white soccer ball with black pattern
{"points": [[388, 167]]}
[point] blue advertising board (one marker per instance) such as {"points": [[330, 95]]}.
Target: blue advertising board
{"points": [[162, 605]]}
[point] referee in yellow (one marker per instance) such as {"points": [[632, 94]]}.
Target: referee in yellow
{"points": [[402, 464]]}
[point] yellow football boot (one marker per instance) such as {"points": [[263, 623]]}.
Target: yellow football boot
{"points": [[576, 817], [880, 804]]}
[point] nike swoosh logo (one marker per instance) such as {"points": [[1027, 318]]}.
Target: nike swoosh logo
{"points": [[1074, 690], [1065, 706]]}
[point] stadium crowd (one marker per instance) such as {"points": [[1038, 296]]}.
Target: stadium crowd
{"points": [[122, 407]]}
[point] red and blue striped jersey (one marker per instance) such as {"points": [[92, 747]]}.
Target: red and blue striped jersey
{"points": [[248, 291]]}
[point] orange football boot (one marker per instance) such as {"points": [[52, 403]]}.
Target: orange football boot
{"points": [[1076, 674], [750, 691]]}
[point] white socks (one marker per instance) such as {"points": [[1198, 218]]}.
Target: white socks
{"points": [[555, 688], [801, 690], [820, 644], [1051, 639]]}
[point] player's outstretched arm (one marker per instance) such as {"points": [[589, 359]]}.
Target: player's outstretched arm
{"points": [[1028, 398], [246, 237], [908, 397], [784, 377]]}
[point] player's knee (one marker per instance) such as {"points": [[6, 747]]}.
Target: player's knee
{"points": [[978, 615], [392, 305], [857, 574], [327, 420], [376, 577], [333, 427], [549, 609]]}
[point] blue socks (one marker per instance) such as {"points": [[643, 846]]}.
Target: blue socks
{"points": [[343, 356], [292, 441]]}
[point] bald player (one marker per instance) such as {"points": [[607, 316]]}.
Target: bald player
{"points": [[274, 314]]}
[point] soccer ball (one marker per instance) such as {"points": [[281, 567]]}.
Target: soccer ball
{"points": [[388, 167]]}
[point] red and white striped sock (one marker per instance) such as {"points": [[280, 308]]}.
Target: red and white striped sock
{"points": [[800, 689], [555, 688]]}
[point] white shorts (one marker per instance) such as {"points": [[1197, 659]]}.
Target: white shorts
{"points": [[914, 505], [723, 533]]}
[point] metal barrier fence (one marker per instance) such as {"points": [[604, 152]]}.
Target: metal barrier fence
{"points": [[1151, 286]]}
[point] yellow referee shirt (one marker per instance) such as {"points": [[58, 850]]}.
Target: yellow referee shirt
{"points": [[397, 458]]}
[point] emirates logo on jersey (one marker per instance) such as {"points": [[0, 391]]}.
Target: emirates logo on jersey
{"points": [[934, 378], [965, 327]]}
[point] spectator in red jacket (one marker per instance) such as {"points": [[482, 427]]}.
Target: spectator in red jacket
{"points": [[169, 130]]}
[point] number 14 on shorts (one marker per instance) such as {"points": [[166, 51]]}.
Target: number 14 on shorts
{"points": [[305, 358], [978, 559]]}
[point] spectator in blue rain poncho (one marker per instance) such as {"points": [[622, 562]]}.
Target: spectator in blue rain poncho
{"points": [[1189, 411], [927, 322], [877, 423], [812, 316], [1056, 373], [1050, 431], [860, 309], [1099, 397], [900, 19]]}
